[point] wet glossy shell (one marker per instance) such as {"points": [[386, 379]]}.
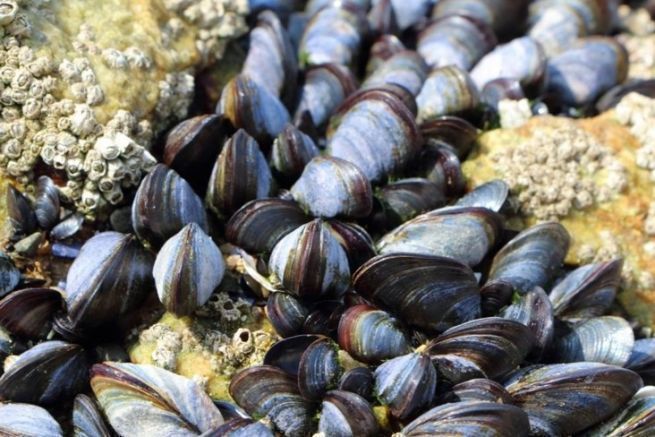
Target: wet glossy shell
{"points": [[642, 359], [406, 69], [482, 390], [354, 239], [319, 369], [492, 195], [27, 421], [46, 203], [286, 354], [359, 380], [347, 414], [429, 292], [28, 313], [292, 150], [447, 91], [451, 130], [637, 418], [404, 199], [20, 212], [87, 419], [535, 311], [286, 313]]}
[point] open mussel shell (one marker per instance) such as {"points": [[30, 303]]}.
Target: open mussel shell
{"points": [[556, 25], [501, 63], [348, 193], [326, 87], [581, 74], [266, 391], [28, 313], [87, 418], [292, 150], [492, 195], [532, 258], [375, 130], [27, 420], [464, 234], [535, 311], [384, 47], [110, 277], [428, 292], [483, 348], [447, 91], [271, 59], [240, 174], [359, 380], [46, 203], [588, 291], [187, 270], [481, 390], [477, 418], [310, 261], [45, 374], [333, 35], [286, 313], [20, 213], [354, 239], [451, 130], [406, 384], [347, 414], [637, 418], [260, 224], [319, 369], [404, 199], [563, 399], [606, 339], [147, 400], [642, 359], [250, 106], [163, 204], [192, 147], [406, 69], [457, 39], [370, 335]]}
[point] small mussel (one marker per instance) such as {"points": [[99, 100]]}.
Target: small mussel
{"points": [[535, 311], [493, 195], [87, 418], [240, 174], [292, 150], [406, 69], [330, 187], [163, 204], [458, 40], [187, 269], [27, 420], [45, 374], [46, 204], [382, 49], [9, 275], [501, 15], [20, 212], [28, 313], [447, 91]]}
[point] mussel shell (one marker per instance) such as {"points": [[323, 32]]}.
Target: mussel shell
{"points": [[406, 69], [501, 15], [452, 130], [46, 203], [330, 187], [563, 399], [481, 390], [606, 339], [28, 313], [27, 420], [45, 374], [326, 87], [67, 227], [260, 224], [292, 150], [447, 91], [250, 106], [493, 345], [286, 313], [532, 258], [269, 391], [494, 296], [87, 419], [556, 25], [497, 90], [404, 199], [111, 276], [475, 418], [578, 76], [6, 346], [319, 369], [359, 380], [371, 335], [187, 270], [458, 39], [286, 354], [428, 292], [354, 239], [464, 234], [347, 414], [406, 384], [240, 174], [240, 427], [19, 212], [324, 318], [502, 63], [148, 400], [163, 204], [438, 162], [375, 130], [310, 261], [492, 195], [535, 311], [382, 18], [612, 98], [382, 49], [637, 418], [192, 146], [588, 291], [642, 359]]}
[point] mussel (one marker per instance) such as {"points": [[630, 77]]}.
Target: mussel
{"points": [[447, 91]]}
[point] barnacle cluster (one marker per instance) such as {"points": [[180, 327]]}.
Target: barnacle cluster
{"points": [[638, 113], [559, 169], [639, 41]]}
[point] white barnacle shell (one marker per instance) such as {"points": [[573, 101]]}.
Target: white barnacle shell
{"points": [[47, 154], [114, 58], [88, 76], [83, 121], [116, 169], [12, 148], [94, 95], [17, 129], [32, 108], [64, 141], [59, 161], [69, 71], [107, 147], [8, 10], [78, 91], [74, 168], [122, 121], [90, 198], [10, 113], [36, 89], [22, 79], [96, 169], [137, 59], [18, 96], [187, 269], [20, 26], [114, 196]]}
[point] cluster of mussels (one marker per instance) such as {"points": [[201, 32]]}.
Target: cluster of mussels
{"points": [[408, 308]]}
